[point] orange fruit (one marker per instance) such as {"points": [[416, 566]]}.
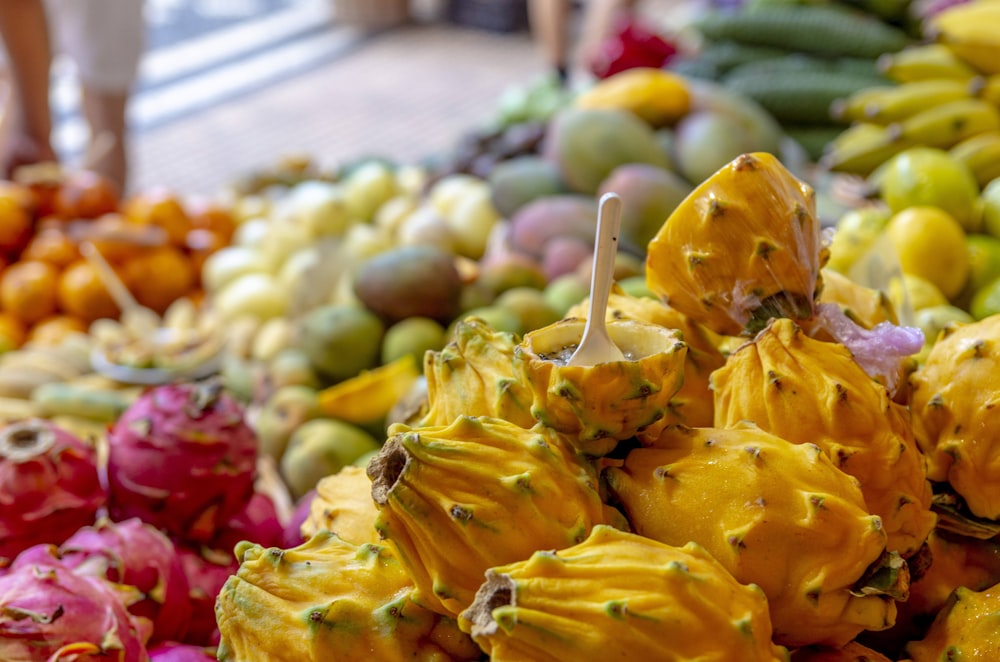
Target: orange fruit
{"points": [[53, 246], [13, 333], [159, 276], [159, 208], [15, 220], [85, 194], [214, 217], [83, 294], [109, 236], [28, 290], [53, 330]]}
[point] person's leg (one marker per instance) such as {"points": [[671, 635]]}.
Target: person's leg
{"points": [[105, 40], [549, 21], [598, 22], [108, 150]]}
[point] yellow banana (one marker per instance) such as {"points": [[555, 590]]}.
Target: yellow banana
{"points": [[988, 89], [17, 409], [948, 124], [924, 62], [982, 154], [903, 101], [35, 360], [861, 148], [972, 31], [20, 382]]}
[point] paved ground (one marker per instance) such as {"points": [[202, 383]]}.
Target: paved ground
{"points": [[231, 86]]}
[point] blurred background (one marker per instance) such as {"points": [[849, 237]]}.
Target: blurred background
{"points": [[228, 87]]}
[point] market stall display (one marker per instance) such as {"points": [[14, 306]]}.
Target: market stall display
{"points": [[337, 415]]}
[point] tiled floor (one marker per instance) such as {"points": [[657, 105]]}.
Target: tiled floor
{"points": [[407, 93]]}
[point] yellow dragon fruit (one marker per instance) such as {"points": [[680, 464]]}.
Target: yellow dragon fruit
{"points": [[599, 405], [966, 628], [775, 514], [956, 561], [743, 247], [852, 652], [862, 305], [474, 374], [620, 596], [809, 391], [456, 500], [692, 404], [343, 505], [329, 600], [954, 401]]}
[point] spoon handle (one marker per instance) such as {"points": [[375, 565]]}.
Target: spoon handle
{"points": [[605, 249]]}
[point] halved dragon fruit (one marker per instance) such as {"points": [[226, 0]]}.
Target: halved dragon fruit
{"points": [[50, 485], [207, 570], [171, 651], [136, 554], [48, 612], [182, 458]]}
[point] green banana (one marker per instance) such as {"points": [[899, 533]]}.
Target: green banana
{"points": [[949, 123], [924, 62]]}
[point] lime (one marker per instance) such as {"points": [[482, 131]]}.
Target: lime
{"points": [[984, 260], [986, 300], [929, 176], [935, 318], [930, 243], [855, 232], [920, 293], [990, 202], [413, 336]]}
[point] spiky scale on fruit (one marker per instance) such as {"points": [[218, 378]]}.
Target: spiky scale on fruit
{"points": [[863, 434], [950, 420], [330, 599], [619, 595], [786, 538], [769, 247], [469, 518]]}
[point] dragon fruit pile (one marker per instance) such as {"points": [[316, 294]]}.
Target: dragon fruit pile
{"points": [[122, 559]]}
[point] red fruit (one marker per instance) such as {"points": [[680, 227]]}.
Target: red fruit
{"points": [[258, 522], [50, 485], [171, 651], [136, 554], [207, 570], [47, 612], [182, 458], [293, 530]]}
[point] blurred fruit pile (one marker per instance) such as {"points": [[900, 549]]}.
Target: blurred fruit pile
{"points": [[154, 241], [520, 496], [353, 379]]}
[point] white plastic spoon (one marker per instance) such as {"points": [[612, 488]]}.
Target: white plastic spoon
{"points": [[596, 345]]}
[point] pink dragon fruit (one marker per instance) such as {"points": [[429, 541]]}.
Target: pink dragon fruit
{"points": [[171, 651], [293, 530], [47, 612], [257, 522], [135, 554], [50, 485], [207, 570], [182, 458]]}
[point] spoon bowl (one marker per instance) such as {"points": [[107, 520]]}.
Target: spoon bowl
{"points": [[596, 345]]}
